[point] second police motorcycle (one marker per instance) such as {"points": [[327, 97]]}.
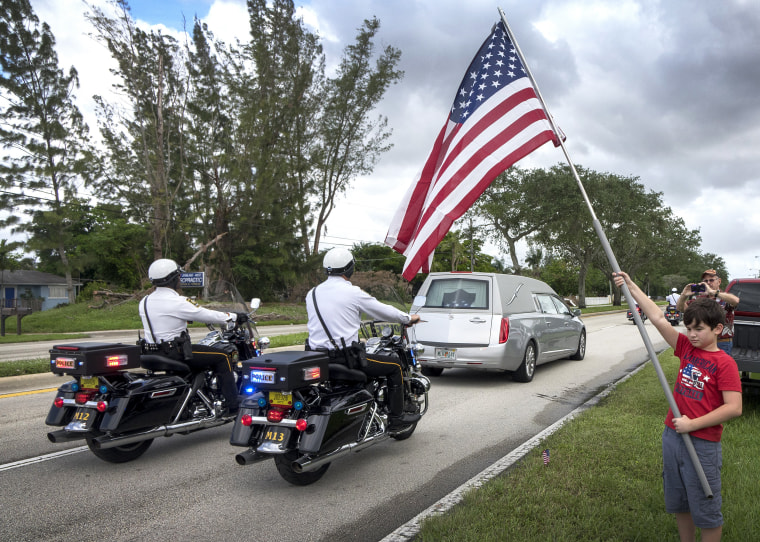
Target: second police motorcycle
{"points": [[303, 409]]}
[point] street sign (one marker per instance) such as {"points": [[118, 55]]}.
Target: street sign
{"points": [[192, 280]]}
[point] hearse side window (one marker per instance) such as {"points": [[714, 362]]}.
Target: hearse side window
{"points": [[547, 305], [561, 307], [457, 293]]}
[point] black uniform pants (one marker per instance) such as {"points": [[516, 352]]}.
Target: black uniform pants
{"points": [[221, 363], [389, 367]]}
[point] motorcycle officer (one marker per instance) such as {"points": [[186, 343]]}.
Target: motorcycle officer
{"points": [[673, 297], [165, 314], [333, 325]]}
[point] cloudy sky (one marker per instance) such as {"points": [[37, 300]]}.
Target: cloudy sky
{"points": [[665, 90]]}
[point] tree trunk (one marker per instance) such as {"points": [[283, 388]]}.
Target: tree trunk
{"points": [[583, 271]]}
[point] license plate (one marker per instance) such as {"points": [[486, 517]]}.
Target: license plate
{"points": [[89, 383], [281, 399], [277, 435], [446, 353], [259, 376], [84, 418]]}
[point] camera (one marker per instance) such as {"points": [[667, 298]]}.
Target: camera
{"points": [[697, 288]]}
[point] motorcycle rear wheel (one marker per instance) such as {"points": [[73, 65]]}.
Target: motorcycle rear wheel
{"points": [[120, 454], [284, 464]]}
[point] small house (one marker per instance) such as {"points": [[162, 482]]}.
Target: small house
{"points": [[33, 290]]}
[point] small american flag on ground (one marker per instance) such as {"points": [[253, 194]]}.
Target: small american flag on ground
{"points": [[545, 455]]}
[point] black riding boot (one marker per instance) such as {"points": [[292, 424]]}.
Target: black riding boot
{"points": [[398, 417], [229, 390]]}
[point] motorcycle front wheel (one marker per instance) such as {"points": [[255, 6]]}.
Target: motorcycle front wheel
{"points": [[120, 454], [284, 464]]}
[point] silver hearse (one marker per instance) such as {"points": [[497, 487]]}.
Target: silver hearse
{"points": [[493, 321]]}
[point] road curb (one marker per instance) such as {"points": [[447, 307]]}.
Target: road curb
{"points": [[411, 529]]}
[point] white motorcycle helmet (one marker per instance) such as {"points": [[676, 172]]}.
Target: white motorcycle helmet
{"points": [[674, 290], [339, 261], [163, 272]]}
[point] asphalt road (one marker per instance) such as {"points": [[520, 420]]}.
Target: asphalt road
{"points": [[189, 487]]}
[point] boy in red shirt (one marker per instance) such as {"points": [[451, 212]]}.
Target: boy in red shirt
{"points": [[707, 393]]}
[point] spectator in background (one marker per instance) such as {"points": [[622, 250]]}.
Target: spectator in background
{"points": [[710, 287]]}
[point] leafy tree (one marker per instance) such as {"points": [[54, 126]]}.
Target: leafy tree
{"points": [[210, 152], [455, 251], [271, 83], [144, 163], [377, 257], [515, 206], [560, 275], [644, 234], [114, 249], [349, 143], [41, 127]]}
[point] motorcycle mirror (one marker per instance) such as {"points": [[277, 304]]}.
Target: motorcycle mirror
{"points": [[255, 303], [419, 301]]}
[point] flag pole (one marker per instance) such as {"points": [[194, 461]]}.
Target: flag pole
{"points": [[616, 268]]}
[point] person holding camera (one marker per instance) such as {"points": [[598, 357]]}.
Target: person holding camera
{"points": [[709, 287]]}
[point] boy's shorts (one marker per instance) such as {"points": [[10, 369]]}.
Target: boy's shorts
{"points": [[683, 489]]}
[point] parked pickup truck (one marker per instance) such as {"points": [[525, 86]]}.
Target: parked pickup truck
{"points": [[746, 349]]}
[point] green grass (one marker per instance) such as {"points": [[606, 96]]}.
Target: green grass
{"points": [[24, 367], [80, 317], [29, 338], [603, 481]]}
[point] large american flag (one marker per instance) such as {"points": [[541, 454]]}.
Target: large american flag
{"points": [[496, 119]]}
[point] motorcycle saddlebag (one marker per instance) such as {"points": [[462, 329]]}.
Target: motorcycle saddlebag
{"points": [[90, 359], [147, 403], [62, 416], [338, 422], [285, 371]]}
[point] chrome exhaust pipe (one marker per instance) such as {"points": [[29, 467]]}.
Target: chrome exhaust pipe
{"points": [[106, 441], [249, 457], [64, 436], [304, 464]]}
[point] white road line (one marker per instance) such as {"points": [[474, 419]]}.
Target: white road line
{"points": [[41, 458]]}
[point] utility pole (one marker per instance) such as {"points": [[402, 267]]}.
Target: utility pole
{"points": [[472, 249]]}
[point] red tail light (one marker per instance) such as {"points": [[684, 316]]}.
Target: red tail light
{"points": [[83, 396], [58, 402], [302, 424], [504, 331], [246, 419], [274, 415], [102, 406]]}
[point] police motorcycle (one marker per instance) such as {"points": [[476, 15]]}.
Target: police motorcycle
{"points": [[642, 314], [304, 410], [673, 315], [120, 399]]}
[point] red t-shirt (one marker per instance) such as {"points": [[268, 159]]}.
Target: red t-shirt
{"points": [[702, 379]]}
